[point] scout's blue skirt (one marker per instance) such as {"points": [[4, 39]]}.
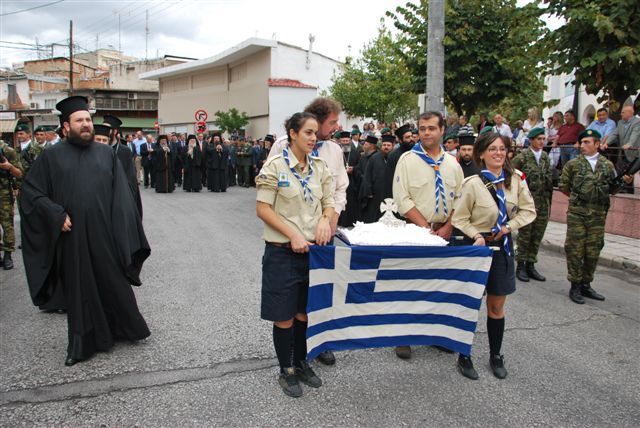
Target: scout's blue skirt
{"points": [[285, 283]]}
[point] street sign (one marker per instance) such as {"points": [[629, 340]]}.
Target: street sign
{"points": [[201, 126], [201, 115]]}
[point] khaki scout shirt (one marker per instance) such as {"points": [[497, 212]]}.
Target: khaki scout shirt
{"points": [[414, 185], [278, 187], [477, 211]]}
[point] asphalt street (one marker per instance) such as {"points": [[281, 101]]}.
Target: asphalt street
{"points": [[210, 360]]}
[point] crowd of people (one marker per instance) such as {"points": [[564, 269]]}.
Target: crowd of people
{"points": [[468, 186]]}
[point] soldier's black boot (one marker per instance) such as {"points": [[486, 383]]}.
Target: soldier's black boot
{"points": [[6, 261], [533, 273], [587, 291], [521, 272], [575, 295]]}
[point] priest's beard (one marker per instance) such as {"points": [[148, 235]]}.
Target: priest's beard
{"points": [[77, 139]]}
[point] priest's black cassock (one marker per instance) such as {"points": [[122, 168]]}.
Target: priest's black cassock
{"points": [[163, 169], [392, 161], [372, 191], [217, 162], [469, 168], [192, 181], [126, 159], [351, 213], [100, 257]]}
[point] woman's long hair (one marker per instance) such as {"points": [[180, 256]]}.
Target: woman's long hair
{"points": [[481, 145]]}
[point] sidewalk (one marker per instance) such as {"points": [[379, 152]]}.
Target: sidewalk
{"points": [[619, 252]]}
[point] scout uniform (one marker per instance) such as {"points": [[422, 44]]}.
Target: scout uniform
{"points": [[588, 184], [7, 186], [298, 197], [538, 174]]}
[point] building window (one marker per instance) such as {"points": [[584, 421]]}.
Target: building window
{"points": [[50, 103]]}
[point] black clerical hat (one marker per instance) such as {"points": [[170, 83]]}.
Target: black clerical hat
{"points": [[70, 105], [160, 137], [269, 137], [390, 138], [402, 130], [111, 121], [371, 139], [103, 130], [191, 137], [345, 134], [466, 140]]}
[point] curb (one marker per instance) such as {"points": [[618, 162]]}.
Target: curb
{"points": [[615, 262]]}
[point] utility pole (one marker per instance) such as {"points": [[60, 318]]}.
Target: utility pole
{"points": [[70, 58], [434, 99], [146, 35]]}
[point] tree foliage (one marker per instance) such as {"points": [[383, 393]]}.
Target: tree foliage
{"points": [[231, 121], [600, 43], [378, 84], [490, 51]]}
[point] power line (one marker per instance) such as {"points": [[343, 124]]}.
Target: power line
{"points": [[31, 8]]}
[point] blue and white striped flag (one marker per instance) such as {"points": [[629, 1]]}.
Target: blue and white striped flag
{"points": [[366, 297]]}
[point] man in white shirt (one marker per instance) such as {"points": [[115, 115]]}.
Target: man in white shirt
{"points": [[138, 160], [500, 127]]}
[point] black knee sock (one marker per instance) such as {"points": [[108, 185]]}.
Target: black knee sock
{"points": [[495, 330], [299, 341], [282, 343]]}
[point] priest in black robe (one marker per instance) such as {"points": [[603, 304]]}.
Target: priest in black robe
{"points": [[162, 160], [217, 164], [81, 231], [404, 136], [351, 155], [192, 180], [125, 155], [372, 191], [465, 156]]}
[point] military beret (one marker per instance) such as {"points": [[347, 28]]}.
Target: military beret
{"points": [[344, 134], [589, 133], [388, 138], [40, 129], [356, 131], [449, 137], [336, 136], [371, 139], [22, 127], [102, 130], [385, 130], [414, 131], [485, 130], [535, 132]]}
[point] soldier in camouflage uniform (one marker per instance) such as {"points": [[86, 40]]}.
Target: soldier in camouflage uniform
{"points": [[245, 152], [31, 151], [536, 165], [587, 180], [10, 172]]}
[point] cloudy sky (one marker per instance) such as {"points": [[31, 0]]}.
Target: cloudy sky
{"points": [[192, 28]]}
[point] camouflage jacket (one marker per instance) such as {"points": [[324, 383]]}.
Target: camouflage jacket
{"points": [[538, 176], [29, 155], [585, 187], [7, 180]]}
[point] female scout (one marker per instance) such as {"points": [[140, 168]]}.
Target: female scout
{"points": [[295, 202], [493, 204]]}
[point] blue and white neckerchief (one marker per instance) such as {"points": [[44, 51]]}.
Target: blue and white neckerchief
{"points": [[314, 152], [502, 206], [304, 182], [440, 192]]}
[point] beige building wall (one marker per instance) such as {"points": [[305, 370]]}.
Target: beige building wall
{"points": [[242, 85]]}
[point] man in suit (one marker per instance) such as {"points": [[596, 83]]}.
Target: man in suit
{"points": [[177, 148], [146, 151], [626, 136]]}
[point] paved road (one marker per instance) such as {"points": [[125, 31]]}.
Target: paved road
{"points": [[209, 360]]}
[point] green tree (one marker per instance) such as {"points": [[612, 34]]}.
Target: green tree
{"points": [[490, 51], [600, 43], [231, 121], [378, 84]]}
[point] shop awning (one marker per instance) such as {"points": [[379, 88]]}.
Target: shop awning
{"points": [[10, 125]]}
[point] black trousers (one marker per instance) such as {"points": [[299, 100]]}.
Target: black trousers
{"points": [[148, 176], [232, 175]]}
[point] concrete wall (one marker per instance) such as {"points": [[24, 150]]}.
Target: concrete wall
{"points": [[242, 85], [126, 75], [291, 63], [283, 102], [623, 217], [22, 89]]}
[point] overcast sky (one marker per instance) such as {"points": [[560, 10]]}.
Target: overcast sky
{"points": [[192, 28]]}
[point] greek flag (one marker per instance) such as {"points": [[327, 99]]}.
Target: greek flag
{"points": [[375, 296]]}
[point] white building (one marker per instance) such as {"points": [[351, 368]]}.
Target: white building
{"points": [[267, 79]]}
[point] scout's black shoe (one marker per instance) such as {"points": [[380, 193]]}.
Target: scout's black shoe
{"points": [[6, 261], [521, 272], [533, 273], [307, 376], [465, 367], [403, 352], [575, 295], [289, 383], [327, 358], [587, 291], [497, 366]]}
